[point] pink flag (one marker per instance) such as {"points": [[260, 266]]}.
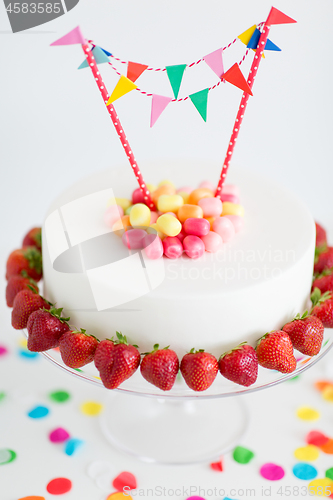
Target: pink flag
{"points": [[158, 105], [74, 36], [215, 62]]}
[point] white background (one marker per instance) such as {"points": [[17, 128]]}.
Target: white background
{"points": [[55, 130]]}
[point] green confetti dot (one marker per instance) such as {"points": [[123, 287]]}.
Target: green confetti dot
{"points": [[78, 370], [2, 396], [329, 473], [7, 456], [60, 396], [293, 378], [242, 455]]}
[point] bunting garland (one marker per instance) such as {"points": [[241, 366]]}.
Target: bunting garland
{"points": [[215, 62], [175, 75], [200, 100], [124, 86], [134, 70], [158, 105], [99, 55]]}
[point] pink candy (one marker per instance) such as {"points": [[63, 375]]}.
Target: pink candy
{"points": [[194, 247], [207, 185], [224, 227], [181, 235], [153, 217], [173, 247], [185, 189], [196, 227], [112, 214], [153, 246], [211, 207], [212, 241], [230, 189], [232, 198], [134, 238], [137, 196], [237, 220]]}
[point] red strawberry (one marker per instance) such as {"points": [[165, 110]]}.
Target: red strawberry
{"points": [[240, 365], [323, 307], [27, 259], [324, 281], [323, 260], [116, 361], [275, 351], [18, 283], [33, 238], [199, 369], [45, 329], [321, 237], [77, 348], [160, 367], [306, 334], [25, 303]]}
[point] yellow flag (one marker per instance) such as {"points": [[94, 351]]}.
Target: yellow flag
{"points": [[123, 86], [247, 35]]}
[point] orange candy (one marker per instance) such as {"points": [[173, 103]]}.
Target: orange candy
{"points": [[122, 225], [164, 189], [189, 211], [197, 194], [210, 220]]}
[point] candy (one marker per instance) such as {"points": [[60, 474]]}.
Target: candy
{"points": [[137, 196], [121, 225], [170, 203], [128, 210], [181, 235], [172, 247], [230, 197], [207, 185], [133, 238], [237, 220], [230, 189], [169, 225], [184, 195], [165, 189], [153, 217], [212, 241], [124, 203], [185, 189], [224, 227], [166, 182], [153, 229], [187, 211], [153, 246], [151, 187], [193, 246], [211, 207], [232, 209], [112, 214], [198, 194], [197, 227], [211, 221], [140, 215]]}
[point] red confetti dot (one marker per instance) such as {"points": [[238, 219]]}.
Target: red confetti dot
{"points": [[218, 466], [59, 486], [125, 479], [316, 438]]}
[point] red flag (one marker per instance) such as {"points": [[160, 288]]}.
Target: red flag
{"points": [[235, 76], [277, 17], [134, 70]]}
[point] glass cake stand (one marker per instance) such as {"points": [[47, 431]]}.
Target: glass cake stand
{"points": [[180, 426]]}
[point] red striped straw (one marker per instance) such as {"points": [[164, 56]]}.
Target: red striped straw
{"points": [[115, 120]]}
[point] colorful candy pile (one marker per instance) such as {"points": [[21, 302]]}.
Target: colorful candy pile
{"points": [[185, 221]]}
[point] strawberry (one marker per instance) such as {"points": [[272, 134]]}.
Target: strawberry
{"points": [[27, 259], [77, 348], [323, 307], [25, 303], [324, 281], [45, 329], [199, 369], [321, 237], [33, 238], [160, 367], [275, 351], [116, 361], [16, 284], [240, 365], [306, 333], [323, 260]]}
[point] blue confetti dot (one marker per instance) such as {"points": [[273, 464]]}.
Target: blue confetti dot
{"points": [[28, 354], [72, 445], [38, 412], [305, 471]]}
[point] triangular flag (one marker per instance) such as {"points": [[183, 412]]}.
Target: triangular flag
{"points": [[271, 46], [74, 36], [134, 70], [175, 75], [123, 86], [106, 52], [215, 62], [235, 76], [199, 100], [253, 43], [277, 17], [99, 55], [246, 36], [158, 105]]}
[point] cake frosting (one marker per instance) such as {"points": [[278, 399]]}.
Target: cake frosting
{"points": [[252, 285]]}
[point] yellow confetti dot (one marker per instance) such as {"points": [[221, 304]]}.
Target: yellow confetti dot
{"points": [[23, 342], [91, 408], [119, 496], [321, 487], [328, 393], [307, 413], [307, 453]]}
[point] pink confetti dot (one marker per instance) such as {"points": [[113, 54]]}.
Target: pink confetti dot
{"points": [[3, 350], [272, 472], [59, 435]]}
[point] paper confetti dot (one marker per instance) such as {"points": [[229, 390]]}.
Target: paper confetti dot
{"points": [[272, 472], [307, 453], [23, 353], [195, 498], [321, 487], [33, 497], [321, 384], [328, 393], [60, 396], [119, 496], [59, 486], [91, 408], [72, 445], [329, 473], [125, 479], [307, 413], [327, 447], [316, 438], [7, 456], [305, 471], [58, 435], [218, 466], [38, 412], [242, 455], [98, 468], [3, 350], [2, 396]]}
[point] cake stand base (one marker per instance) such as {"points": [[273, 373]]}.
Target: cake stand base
{"points": [[174, 432]]}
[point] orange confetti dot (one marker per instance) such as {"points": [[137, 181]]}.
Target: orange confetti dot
{"points": [[328, 393], [327, 447], [33, 497], [320, 385], [119, 496]]}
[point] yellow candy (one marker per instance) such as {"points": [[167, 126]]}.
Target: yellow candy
{"points": [[121, 225], [322, 487], [167, 203], [124, 203], [199, 193], [153, 229], [166, 183], [184, 195], [189, 211], [165, 189], [232, 209], [140, 215], [169, 225], [151, 187]]}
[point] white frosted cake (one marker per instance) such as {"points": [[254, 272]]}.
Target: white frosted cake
{"points": [[252, 285]]}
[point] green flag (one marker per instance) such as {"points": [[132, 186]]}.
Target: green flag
{"points": [[199, 100], [175, 75]]}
